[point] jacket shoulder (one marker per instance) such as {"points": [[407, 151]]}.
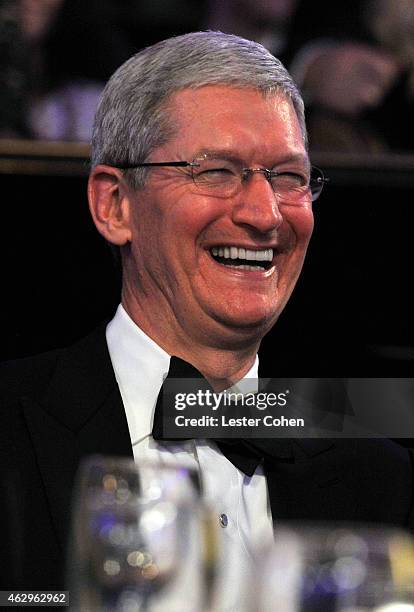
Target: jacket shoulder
{"points": [[30, 376]]}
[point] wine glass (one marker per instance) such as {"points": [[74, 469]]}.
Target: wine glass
{"points": [[137, 538], [343, 568]]}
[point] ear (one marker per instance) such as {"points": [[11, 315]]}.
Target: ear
{"points": [[109, 203]]}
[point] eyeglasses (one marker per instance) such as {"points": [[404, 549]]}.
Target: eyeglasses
{"points": [[225, 178]]}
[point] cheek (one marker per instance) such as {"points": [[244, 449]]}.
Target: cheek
{"points": [[148, 239], [196, 212], [192, 222], [166, 239], [301, 222]]}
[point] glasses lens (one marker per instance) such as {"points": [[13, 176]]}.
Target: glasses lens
{"points": [[217, 176], [223, 178], [316, 183], [290, 187]]}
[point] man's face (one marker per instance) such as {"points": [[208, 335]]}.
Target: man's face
{"points": [[172, 273]]}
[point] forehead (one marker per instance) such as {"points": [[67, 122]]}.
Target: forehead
{"points": [[237, 119]]}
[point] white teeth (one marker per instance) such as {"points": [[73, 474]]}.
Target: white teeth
{"points": [[232, 252], [251, 255], [243, 267]]}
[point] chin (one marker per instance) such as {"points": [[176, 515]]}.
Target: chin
{"points": [[257, 312], [254, 322]]}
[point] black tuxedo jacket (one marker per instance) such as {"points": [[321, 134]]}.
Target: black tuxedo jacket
{"points": [[59, 407]]}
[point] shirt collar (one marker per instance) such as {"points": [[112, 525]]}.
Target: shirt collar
{"points": [[140, 367]]}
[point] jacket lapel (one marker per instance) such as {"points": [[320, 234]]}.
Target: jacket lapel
{"points": [[80, 414]]}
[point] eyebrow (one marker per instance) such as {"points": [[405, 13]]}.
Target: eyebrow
{"points": [[230, 155], [226, 154]]}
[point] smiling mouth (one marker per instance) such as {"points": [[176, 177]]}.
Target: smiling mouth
{"points": [[243, 259]]}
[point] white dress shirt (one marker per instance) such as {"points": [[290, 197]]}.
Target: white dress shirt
{"points": [[240, 502]]}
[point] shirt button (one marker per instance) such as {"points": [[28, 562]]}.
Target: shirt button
{"points": [[223, 520]]}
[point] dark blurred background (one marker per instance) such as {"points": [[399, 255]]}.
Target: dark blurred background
{"points": [[351, 312]]}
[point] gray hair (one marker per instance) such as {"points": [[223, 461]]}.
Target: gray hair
{"points": [[132, 118]]}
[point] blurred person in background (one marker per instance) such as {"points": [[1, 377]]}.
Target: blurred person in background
{"points": [[13, 73], [353, 61], [355, 65], [72, 48], [58, 54], [265, 21], [48, 63]]}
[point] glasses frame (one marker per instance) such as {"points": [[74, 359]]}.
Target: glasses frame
{"points": [[268, 174]]}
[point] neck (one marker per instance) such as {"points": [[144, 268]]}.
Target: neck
{"points": [[221, 368], [222, 364]]}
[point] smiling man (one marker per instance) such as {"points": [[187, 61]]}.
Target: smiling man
{"points": [[200, 175], [212, 249]]}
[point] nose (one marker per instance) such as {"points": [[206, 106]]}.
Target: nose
{"points": [[256, 205]]}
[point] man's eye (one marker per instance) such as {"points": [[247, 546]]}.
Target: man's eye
{"points": [[214, 174], [216, 171], [290, 180]]}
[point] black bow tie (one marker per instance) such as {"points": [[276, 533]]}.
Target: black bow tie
{"points": [[245, 455]]}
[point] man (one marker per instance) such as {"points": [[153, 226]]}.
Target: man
{"points": [[200, 175]]}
